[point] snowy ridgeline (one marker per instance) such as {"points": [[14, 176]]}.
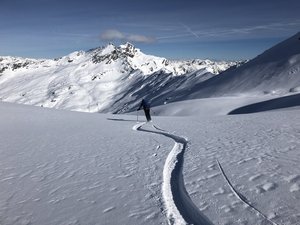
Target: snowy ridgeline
{"points": [[114, 79], [108, 79], [274, 72], [60, 167]]}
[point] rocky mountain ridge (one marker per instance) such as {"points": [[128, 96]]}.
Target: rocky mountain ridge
{"points": [[106, 79]]}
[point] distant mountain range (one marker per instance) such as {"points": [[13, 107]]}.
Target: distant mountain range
{"points": [[115, 78], [108, 79]]}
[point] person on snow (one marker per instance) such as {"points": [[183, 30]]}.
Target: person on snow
{"points": [[146, 107]]}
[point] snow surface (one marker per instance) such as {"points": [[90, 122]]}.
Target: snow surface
{"points": [[241, 104], [60, 167]]}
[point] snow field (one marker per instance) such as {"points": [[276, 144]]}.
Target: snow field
{"points": [[54, 163], [259, 154], [59, 167]]}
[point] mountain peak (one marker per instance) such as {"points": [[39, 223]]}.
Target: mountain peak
{"points": [[128, 49], [111, 52], [127, 45]]}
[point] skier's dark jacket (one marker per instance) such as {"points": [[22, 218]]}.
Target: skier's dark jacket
{"points": [[144, 105]]}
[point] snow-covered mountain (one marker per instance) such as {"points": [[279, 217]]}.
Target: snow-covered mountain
{"points": [[115, 78], [276, 71], [107, 79]]}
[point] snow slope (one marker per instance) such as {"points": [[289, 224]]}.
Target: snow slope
{"points": [[108, 79], [290, 101], [60, 167], [276, 71], [240, 104]]}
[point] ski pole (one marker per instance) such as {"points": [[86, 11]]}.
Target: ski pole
{"points": [[137, 116]]}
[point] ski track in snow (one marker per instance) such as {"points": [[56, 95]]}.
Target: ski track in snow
{"points": [[179, 206], [241, 197]]}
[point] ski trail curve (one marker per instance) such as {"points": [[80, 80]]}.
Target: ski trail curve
{"points": [[241, 197], [180, 209]]}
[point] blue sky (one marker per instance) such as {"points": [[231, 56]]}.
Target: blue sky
{"points": [[178, 29]]}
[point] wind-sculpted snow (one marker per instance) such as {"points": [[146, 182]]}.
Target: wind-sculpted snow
{"points": [[179, 207], [243, 198], [60, 167]]}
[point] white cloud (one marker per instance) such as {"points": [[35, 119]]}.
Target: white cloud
{"points": [[140, 38], [112, 34]]}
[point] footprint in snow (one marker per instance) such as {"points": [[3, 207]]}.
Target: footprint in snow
{"points": [[269, 186], [108, 209], [227, 208], [255, 177], [294, 179], [220, 191], [295, 187], [245, 160]]}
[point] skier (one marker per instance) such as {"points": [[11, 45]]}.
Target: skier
{"points": [[146, 107]]}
